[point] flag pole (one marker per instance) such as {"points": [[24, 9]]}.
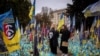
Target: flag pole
{"points": [[32, 18], [34, 42]]}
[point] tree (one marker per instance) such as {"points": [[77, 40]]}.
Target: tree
{"points": [[20, 9], [76, 9], [39, 18], [4, 6], [44, 17]]}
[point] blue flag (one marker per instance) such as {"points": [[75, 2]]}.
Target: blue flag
{"points": [[8, 15]]}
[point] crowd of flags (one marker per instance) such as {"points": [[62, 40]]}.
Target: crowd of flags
{"points": [[11, 31]]}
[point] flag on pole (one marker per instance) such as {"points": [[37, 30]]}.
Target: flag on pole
{"points": [[87, 11], [32, 23], [73, 22], [93, 25], [81, 32], [22, 32], [61, 21], [38, 27], [32, 9], [10, 31], [68, 23], [92, 10], [94, 22], [95, 7], [98, 22], [98, 28], [32, 14]]}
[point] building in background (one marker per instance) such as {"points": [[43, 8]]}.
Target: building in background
{"points": [[56, 15]]}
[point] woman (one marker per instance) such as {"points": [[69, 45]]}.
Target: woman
{"points": [[53, 35], [64, 40]]}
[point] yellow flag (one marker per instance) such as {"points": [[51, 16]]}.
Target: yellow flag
{"points": [[10, 32], [13, 44], [31, 25], [31, 12], [11, 36], [98, 23], [61, 22]]}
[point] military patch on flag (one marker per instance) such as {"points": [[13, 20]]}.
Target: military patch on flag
{"points": [[10, 31]]}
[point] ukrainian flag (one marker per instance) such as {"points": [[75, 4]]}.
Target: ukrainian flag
{"points": [[10, 31], [61, 22], [32, 10]]}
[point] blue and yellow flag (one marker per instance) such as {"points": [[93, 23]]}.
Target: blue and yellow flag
{"points": [[32, 10], [61, 22], [10, 31]]}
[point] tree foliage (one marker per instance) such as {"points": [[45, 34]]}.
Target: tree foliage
{"points": [[20, 9], [4, 6], [43, 19]]}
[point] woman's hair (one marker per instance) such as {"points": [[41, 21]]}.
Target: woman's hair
{"points": [[52, 28]]}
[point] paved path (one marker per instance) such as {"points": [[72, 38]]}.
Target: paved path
{"points": [[58, 52]]}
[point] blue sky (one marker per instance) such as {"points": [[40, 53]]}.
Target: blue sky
{"points": [[54, 4]]}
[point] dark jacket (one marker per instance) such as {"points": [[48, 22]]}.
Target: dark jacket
{"points": [[54, 38], [65, 36]]}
